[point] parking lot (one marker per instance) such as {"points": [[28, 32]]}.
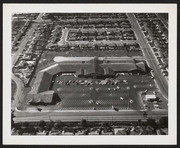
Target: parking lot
{"points": [[101, 94]]}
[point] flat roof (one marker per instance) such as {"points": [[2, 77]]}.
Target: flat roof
{"points": [[153, 96], [95, 65]]}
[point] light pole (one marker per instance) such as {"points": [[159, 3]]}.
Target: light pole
{"points": [[130, 102]]}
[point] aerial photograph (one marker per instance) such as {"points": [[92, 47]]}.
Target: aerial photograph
{"points": [[89, 74]]}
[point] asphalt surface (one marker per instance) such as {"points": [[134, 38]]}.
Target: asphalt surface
{"points": [[160, 79], [91, 116], [78, 97]]}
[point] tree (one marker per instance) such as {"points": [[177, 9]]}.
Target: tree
{"points": [[163, 121], [42, 124], [20, 131], [12, 121], [26, 124], [49, 125], [57, 124], [32, 130], [105, 124], [84, 122], [139, 122], [151, 122]]}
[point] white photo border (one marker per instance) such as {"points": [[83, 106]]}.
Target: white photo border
{"points": [[170, 139]]}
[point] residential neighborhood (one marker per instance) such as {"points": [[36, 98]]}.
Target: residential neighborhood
{"points": [[89, 74]]}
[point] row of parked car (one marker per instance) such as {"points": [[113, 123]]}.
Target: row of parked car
{"points": [[91, 82]]}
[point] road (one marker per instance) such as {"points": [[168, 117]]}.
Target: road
{"points": [[19, 96], [74, 20], [22, 45], [126, 115], [163, 20], [20, 86], [160, 79]]}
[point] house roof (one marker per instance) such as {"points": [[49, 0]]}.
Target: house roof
{"points": [[120, 131], [152, 96]]}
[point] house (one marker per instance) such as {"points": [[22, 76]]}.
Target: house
{"points": [[22, 64], [105, 132], [80, 132], [149, 97], [120, 131], [29, 51], [27, 57], [31, 63], [94, 131]]}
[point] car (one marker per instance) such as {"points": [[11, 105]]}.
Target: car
{"points": [[156, 105]]}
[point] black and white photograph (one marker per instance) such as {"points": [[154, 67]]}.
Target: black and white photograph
{"points": [[91, 71]]}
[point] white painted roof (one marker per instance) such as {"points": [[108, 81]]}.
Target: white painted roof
{"points": [[150, 96]]}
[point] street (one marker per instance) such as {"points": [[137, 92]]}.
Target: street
{"points": [[165, 22], [160, 79], [126, 115], [20, 86]]}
